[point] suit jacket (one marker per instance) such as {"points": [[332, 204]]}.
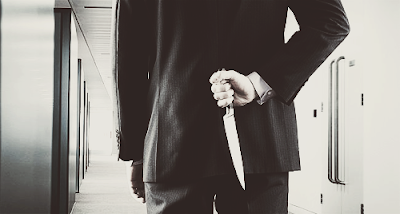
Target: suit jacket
{"points": [[166, 50]]}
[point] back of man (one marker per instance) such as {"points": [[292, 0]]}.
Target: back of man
{"points": [[171, 119]]}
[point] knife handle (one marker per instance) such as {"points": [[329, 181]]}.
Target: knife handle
{"points": [[229, 109]]}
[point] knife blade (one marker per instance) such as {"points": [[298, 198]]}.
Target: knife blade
{"points": [[233, 143]]}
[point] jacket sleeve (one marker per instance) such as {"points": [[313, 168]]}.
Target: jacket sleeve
{"points": [[130, 77], [323, 26]]}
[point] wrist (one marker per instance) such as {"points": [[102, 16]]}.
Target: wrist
{"points": [[263, 90], [253, 92]]}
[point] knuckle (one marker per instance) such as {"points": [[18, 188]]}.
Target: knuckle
{"points": [[227, 86], [216, 88], [221, 88], [231, 92], [213, 88], [222, 103]]}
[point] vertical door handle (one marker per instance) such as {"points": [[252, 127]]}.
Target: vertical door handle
{"points": [[330, 130], [336, 135]]}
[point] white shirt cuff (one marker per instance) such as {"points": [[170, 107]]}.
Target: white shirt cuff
{"points": [[264, 91]]}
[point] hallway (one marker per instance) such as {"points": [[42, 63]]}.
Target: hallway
{"points": [[105, 189]]}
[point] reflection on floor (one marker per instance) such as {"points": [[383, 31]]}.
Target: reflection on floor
{"points": [[105, 189]]}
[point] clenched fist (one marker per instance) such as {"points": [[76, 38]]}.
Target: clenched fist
{"points": [[231, 86]]}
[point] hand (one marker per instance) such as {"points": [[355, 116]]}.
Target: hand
{"points": [[231, 86], [137, 180]]}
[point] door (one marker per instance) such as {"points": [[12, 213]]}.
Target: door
{"points": [[330, 123], [342, 187], [65, 112], [343, 147]]}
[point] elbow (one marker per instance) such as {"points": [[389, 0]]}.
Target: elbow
{"points": [[339, 23], [342, 27], [345, 28], [337, 30]]}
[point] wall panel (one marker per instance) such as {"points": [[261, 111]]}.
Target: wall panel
{"points": [[27, 44]]}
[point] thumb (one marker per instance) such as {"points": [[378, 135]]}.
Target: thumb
{"points": [[215, 77], [229, 76]]}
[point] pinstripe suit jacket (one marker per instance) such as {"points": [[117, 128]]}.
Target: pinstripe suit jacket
{"points": [[166, 50]]}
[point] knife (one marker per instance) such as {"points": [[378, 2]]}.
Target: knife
{"points": [[233, 143]]}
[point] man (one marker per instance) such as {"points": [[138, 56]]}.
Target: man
{"points": [[167, 54]]}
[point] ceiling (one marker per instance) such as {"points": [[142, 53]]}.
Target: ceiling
{"points": [[93, 23]]}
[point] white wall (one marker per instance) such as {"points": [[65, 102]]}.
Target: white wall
{"points": [[101, 134], [382, 105]]}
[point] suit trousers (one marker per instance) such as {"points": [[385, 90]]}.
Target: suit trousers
{"points": [[265, 193]]}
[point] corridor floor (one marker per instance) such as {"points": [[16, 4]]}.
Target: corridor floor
{"points": [[105, 189]]}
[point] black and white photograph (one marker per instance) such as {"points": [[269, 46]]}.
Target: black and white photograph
{"points": [[199, 107]]}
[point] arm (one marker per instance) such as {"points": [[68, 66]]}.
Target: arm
{"points": [[130, 77], [323, 26]]}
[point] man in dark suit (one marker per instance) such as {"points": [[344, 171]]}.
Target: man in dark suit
{"points": [[167, 54]]}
